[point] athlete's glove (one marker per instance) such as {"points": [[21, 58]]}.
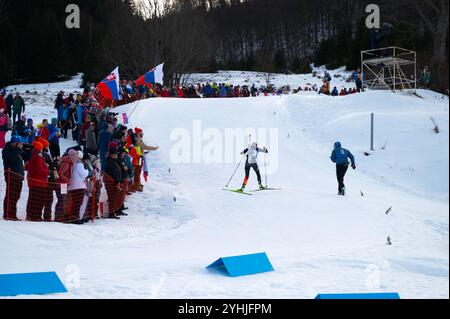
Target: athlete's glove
{"points": [[353, 166]]}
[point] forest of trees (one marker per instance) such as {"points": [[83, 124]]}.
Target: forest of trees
{"points": [[206, 35]]}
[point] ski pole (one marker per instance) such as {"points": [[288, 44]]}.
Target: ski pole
{"points": [[265, 167], [235, 171]]}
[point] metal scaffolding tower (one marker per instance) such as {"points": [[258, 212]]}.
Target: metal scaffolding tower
{"points": [[390, 68]]}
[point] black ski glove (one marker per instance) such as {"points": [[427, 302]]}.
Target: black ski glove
{"points": [[353, 166]]}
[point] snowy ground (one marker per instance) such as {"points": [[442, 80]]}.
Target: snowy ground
{"points": [[317, 242]]}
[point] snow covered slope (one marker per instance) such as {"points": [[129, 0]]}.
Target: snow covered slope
{"points": [[318, 242]]}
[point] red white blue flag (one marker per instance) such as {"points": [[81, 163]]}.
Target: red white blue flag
{"points": [[153, 76], [109, 87], [125, 118]]}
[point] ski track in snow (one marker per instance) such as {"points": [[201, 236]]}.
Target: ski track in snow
{"points": [[318, 243]]}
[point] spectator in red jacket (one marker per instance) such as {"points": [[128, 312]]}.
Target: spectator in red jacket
{"points": [[2, 102], [44, 131], [180, 92], [165, 92], [37, 182]]}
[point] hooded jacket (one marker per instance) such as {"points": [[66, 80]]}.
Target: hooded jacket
{"points": [[79, 174], [341, 155]]}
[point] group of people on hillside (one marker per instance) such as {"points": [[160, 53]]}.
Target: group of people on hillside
{"points": [[356, 77], [130, 92], [105, 155]]}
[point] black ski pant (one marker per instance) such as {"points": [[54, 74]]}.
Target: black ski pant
{"points": [[341, 170], [65, 126], [14, 184], [55, 150], [247, 172]]}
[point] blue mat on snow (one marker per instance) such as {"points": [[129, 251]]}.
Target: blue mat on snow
{"points": [[30, 284], [243, 265]]}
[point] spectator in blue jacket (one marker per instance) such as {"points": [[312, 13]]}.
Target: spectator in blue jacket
{"points": [[31, 130], [341, 157], [335, 92], [223, 91], [81, 119], [55, 134], [64, 117], [207, 90], [104, 138]]}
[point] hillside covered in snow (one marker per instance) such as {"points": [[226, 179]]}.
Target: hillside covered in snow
{"points": [[317, 242]]}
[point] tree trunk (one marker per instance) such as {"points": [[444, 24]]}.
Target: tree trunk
{"points": [[439, 65]]}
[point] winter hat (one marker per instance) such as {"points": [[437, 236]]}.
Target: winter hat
{"points": [[137, 130], [54, 121], [43, 141], [38, 146], [30, 121], [80, 154], [112, 151], [73, 155]]}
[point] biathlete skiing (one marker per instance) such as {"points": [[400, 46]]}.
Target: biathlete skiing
{"points": [[252, 162]]}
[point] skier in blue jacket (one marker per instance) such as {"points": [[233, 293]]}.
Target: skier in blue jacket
{"points": [[340, 156]]}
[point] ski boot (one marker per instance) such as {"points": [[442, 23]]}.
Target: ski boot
{"points": [[261, 187]]}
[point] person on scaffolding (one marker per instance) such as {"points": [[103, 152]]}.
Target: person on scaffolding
{"points": [[252, 162]]}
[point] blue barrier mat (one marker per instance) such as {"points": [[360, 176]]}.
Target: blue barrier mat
{"points": [[30, 284], [243, 265]]}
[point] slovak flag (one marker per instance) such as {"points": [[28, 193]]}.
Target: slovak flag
{"points": [[125, 118], [110, 85], [153, 76]]}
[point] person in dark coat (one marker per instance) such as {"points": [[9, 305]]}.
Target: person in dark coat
{"points": [[59, 100], [18, 107], [112, 176], [340, 156], [103, 141], [9, 102], [14, 155]]}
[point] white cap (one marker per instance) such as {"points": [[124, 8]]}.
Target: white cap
{"points": [[80, 154]]}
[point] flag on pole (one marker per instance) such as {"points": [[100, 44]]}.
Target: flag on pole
{"points": [[125, 118], [153, 76], [109, 87]]}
